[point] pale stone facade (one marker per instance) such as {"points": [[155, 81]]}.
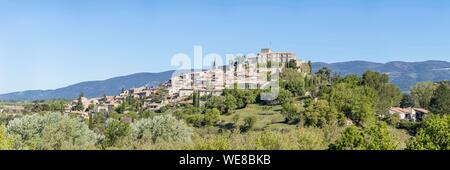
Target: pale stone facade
{"points": [[245, 73]]}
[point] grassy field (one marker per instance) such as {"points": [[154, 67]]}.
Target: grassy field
{"points": [[267, 117]]}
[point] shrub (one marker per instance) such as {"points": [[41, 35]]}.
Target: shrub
{"points": [[52, 131], [291, 112], [268, 140], [6, 141], [212, 116], [434, 134], [248, 123], [375, 137], [411, 127], [309, 139], [115, 130], [196, 120], [159, 129], [394, 119], [214, 143]]}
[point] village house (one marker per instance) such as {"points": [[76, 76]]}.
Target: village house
{"points": [[411, 114], [246, 73], [103, 108], [12, 109], [86, 102]]}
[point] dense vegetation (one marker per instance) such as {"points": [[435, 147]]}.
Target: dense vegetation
{"points": [[312, 111]]}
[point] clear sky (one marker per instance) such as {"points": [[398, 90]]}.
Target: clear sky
{"points": [[48, 44]]}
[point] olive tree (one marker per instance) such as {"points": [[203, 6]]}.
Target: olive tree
{"points": [[52, 131], [164, 128]]}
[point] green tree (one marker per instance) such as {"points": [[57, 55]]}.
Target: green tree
{"points": [[292, 64], [375, 80], [68, 133], [440, 101], [97, 122], [224, 103], [407, 101], [52, 131], [123, 107], [56, 105], [310, 67], [159, 129], [293, 81], [248, 123], [212, 116], [291, 112], [267, 140], [187, 111], [422, 93], [356, 102], [115, 130], [284, 96], [147, 114], [243, 96], [374, 137], [196, 99], [230, 103], [388, 96], [319, 114], [197, 120], [214, 102], [351, 80], [324, 73], [29, 129], [434, 134]]}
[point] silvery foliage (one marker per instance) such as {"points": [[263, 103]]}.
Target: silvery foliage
{"points": [[164, 128], [51, 131]]}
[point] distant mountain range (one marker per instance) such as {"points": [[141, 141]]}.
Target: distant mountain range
{"points": [[403, 74], [111, 86]]}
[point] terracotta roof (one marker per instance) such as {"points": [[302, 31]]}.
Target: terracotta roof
{"points": [[421, 110], [407, 110], [400, 110]]}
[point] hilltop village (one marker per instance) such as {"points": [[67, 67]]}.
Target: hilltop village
{"points": [[222, 107], [243, 72]]}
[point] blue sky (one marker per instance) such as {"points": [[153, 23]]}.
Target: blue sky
{"points": [[48, 44]]}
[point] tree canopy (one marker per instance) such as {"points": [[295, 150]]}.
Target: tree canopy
{"points": [[440, 101], [375, 137], [52, 131], [434, 134]]}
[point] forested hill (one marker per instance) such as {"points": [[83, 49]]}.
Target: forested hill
{"points": [[403, 74], [111, 86]]}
